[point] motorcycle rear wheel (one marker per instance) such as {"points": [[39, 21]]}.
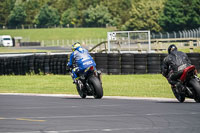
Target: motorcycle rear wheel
{"points": [[95, 84], [196, 85], [180, 97]]}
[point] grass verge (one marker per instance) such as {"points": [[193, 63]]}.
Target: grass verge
{"points": [[113, 85], [14, 50], [58, 33]]}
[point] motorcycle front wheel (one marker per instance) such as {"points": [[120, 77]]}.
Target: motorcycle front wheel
{"points": [[79, 87], [96, 86], [180, 97], [196, 85]]}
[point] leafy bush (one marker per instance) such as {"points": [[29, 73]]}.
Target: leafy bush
{"points": [[47, 17]]}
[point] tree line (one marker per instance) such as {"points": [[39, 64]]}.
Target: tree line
{"points": [[154, 15]]}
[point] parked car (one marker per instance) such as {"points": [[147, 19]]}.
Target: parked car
{"points": [[6, 41]]}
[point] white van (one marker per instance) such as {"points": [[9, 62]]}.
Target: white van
{"points": [[6, 41]]}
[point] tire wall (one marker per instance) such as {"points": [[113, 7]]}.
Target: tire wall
{"points": [[140, 66], [101, 60], [33, 64], [153, 63], [126, 63], [114, 63]]}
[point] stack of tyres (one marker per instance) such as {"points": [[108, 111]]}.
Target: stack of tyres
{"points": [[153, 63], [59, 63], [64, 64], [195, 60], [55, 60], [31, 60], [51, 63], [39, 64], [127, 63], [101, 60], [46, 64], [114, 63], [5, 66], [21, 66], [8, 66], [36, 65], [1, 66], [25, 65], [162, 57], [42, 64], [140, 63], [16, 65]]}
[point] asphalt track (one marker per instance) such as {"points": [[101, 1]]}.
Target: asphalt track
{"points": [[70, 114]]}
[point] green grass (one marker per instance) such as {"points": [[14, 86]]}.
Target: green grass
{"points": [[113, 85], [14, 50], [58, 33], [187, 50]]}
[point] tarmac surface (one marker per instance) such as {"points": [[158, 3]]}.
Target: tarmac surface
{"points": [[70, 114]]}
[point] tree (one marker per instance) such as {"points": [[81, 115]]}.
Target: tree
{"points": [[1, 13], [32, 8], [144, 15], [6, 6], [17, 16], [119, 10], [70, 17], [96, 17], [47, 17], [180, 15]]}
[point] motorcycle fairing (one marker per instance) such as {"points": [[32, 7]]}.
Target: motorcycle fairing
{"points": [[185, 72]]}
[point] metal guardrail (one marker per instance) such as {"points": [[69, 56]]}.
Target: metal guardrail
{"points": [[193, 33]]}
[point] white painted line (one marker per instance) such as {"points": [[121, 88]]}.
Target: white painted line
{"points": [[101, 116], [104, 97]]}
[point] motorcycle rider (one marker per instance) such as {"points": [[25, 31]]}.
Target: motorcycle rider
{"points": [[173, 66], [82, 60]]}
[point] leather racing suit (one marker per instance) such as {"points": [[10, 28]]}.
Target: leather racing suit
{"points": [[173, 66], [82, 60]]}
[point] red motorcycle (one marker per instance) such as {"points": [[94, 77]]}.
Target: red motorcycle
{"points": [[190, 85]]}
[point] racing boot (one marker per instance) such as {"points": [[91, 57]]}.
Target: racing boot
{"points": [[75, 80]]}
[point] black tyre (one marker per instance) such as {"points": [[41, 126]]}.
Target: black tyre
{"points": [[114, 63], [140, 55], [101, 55], [179, 96], [79, 85], [137, 71], [114, 55], [114, 66], [127, 66], [196, 85], [127, 63], [140, 67], [95, 84], [101, 58]]}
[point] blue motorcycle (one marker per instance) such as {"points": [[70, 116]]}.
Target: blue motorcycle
{"points": [[90, 83]]}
